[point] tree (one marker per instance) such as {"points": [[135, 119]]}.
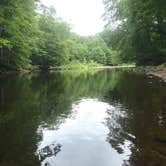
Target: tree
{"points": [[18, 28], [54, 35], [140, 34]]}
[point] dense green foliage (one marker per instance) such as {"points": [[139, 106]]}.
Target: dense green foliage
{"points": [[89, 49], [18, 28], [140, 33], [52, 49], [32, 34]]}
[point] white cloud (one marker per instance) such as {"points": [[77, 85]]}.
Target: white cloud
{"points": [[83, 15]]}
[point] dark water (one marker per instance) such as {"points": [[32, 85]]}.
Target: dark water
{"points": [[95, 118]]}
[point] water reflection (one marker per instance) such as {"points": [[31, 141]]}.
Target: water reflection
{"points": [[47, 152], [84, 137], [99, 118]]}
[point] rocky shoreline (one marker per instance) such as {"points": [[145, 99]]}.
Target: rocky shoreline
{"points": [[161, 73]]}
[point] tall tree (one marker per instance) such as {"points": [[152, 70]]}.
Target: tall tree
{"points": [[53, 45], [18, 32], [141, 29]]}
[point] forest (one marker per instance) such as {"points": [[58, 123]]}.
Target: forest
{"points": [[31, 34]]}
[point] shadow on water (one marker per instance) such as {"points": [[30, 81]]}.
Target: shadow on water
{"points": [[92, 118]]}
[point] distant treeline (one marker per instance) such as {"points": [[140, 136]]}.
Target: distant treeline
{"points": [[31, 34]]}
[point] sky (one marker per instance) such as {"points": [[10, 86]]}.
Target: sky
{"points": [[84, 16]]}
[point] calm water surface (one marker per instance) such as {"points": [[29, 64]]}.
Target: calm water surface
{"points": [[80, 118]]}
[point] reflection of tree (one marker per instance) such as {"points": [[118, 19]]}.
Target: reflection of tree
{"points": [[116, 122], [144, 100], [18, 122], [49, 151], [27, 102], [58, 92]]}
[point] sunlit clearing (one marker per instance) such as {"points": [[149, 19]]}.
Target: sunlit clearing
{"points": [[85, 16]]}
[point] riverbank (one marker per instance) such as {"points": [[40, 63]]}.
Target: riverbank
{"points": [[158, 71], [13, 72], [91, 67], [161, 73], [61, 68]]}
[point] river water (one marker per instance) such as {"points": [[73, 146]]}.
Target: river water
{"points": [[83, 118]]}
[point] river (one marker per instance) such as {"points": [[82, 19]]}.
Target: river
{"points": [[83, 118]]}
